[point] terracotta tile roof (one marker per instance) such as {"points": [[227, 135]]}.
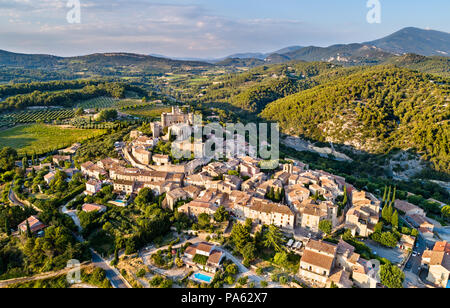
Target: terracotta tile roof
{"points": [[405, 206], [215, 257], [89, 207], [344, 247], [440, 258], [206, 247], [262, 205], [322, 247], [317, 259], [92, 182], [123, 182], [341, 277], [442, 246], [191, 250], [34, 223]]}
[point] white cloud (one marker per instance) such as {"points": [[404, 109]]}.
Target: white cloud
{"points": [[139, 26]]}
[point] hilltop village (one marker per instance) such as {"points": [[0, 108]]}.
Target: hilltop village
{"points": [[315, 223]]}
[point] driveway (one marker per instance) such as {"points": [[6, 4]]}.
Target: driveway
{"points": [[73, 215], [242, 269], [113, 275], [395, 255], [13, 198]]}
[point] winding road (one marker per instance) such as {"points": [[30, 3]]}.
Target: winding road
{"points": [[113, 275]]}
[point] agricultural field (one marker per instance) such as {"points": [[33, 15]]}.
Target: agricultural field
{"points": [[109, 103], [44, 116], [99, 102], [41, 138], [147, 112]]}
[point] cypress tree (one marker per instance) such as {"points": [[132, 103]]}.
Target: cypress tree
{"points": [[24, 163], [29, 234], [390, 212], [384, 212], [384, 195], [389, 195], [7, 228], [394, 220], [344, 202]]}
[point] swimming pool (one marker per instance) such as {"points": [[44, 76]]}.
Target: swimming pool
{"points": [[119, 202], [203, 277]]}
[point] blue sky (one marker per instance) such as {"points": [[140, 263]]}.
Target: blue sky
{"points": [[204, 28]]}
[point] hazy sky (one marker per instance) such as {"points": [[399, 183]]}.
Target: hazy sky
{"points": [[204, 28]]}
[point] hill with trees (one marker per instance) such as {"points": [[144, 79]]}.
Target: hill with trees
{"points": [[107, 64], [61, 93], [375, 110]]}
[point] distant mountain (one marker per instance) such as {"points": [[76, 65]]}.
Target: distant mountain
{"points": [[414, 40], [352, 54], [99, 63], [405, 41], [249, 55], [237, 62], [288, 49], [277, 58], [27, 60]]}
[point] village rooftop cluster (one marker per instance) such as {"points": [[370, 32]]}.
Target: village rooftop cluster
{"points": [[293, 198]]}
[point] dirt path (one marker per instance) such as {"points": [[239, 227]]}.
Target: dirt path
{"points": [[6, 283]]}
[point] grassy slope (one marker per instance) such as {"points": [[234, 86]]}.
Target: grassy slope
{"points": [[42, 138]]}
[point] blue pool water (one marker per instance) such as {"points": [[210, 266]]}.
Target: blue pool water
{"points": [[203, 277]]}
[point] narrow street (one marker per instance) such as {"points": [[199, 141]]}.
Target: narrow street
{"points": [[113, 275]]}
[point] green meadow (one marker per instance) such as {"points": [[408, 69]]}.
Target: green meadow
{"points": [[41, 138]]}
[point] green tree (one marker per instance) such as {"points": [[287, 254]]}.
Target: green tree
{"points": [[326, 226], [388, 239], [221, 214], [249, 251], [204, 220], [130, 246], [7, 227], [384, 212], [378, 227], [24, 163], [446, 211], [394, 220], [232, 269], [390, 212], [281, 258], [273, 238], [79, 112], [29, 234], [391, 276], [8, 156], [385, 194], [107, 115], [240, 236]]}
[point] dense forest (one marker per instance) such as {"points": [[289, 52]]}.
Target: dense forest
{"points": [[254, 89], [50, 93], [375, 110]]}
